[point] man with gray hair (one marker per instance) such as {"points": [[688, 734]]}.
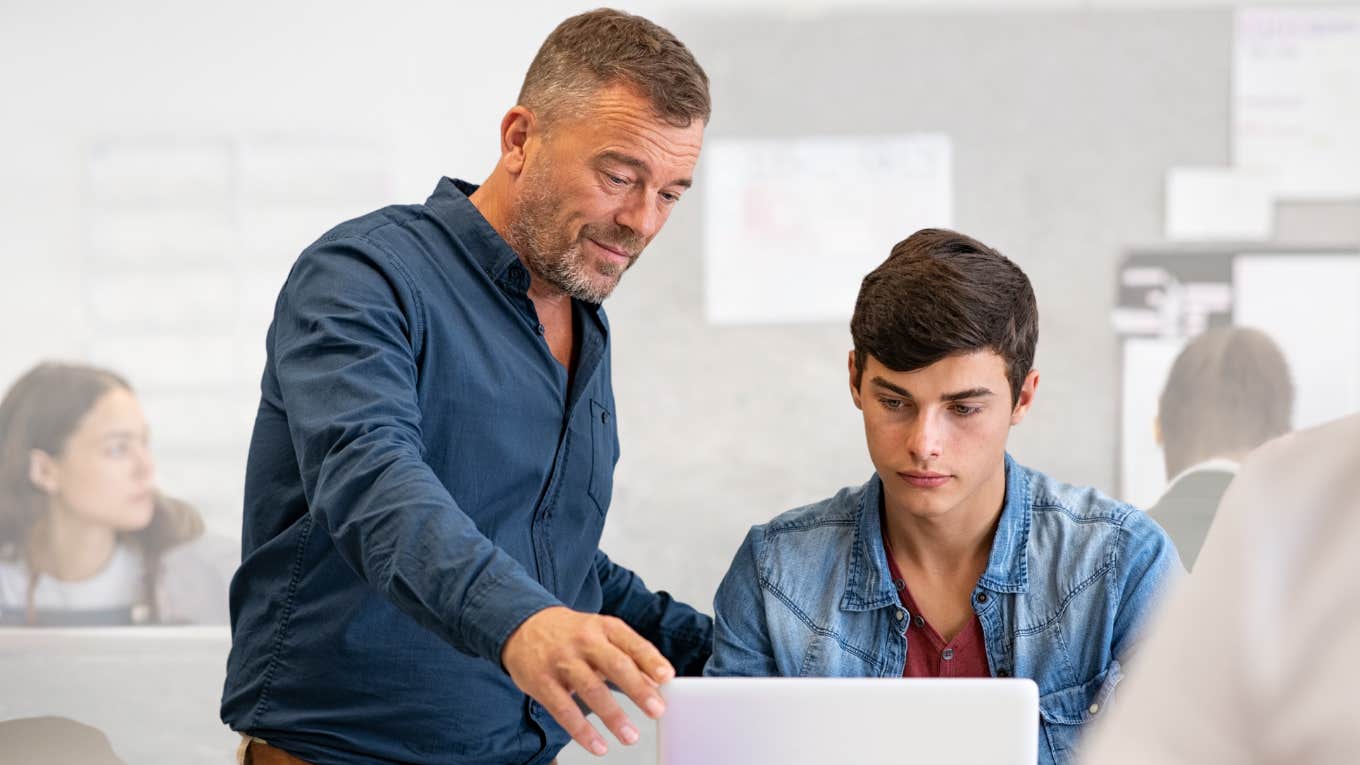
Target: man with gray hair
{"points": [[1228, 392], [434, 449]]}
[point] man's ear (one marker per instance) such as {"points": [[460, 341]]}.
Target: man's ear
{"points": [[516, 127], [1026, 398], [855, 375], [42, 471]]}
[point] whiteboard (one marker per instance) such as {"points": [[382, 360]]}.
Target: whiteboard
{"points": [[791, 226], [1296, 99], [1310, 305]]}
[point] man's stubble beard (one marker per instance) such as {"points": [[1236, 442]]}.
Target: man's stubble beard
{"points": [[536, 235]]}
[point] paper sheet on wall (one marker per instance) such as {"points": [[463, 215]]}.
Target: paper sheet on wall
{"points": [[792, 226], [1218, 204], [1296, 99], [1310, 305]]}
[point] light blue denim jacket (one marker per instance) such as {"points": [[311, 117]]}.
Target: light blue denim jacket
{"points": [[1072, 578]]}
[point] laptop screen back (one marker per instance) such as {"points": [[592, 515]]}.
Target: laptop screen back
{"points": [[787, 721]]}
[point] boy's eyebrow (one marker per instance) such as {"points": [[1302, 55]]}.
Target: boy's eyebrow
{"points": [[978, 392], [899, 390], [970, 393]]}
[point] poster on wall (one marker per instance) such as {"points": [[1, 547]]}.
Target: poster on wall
{"points": [[791, 226]]}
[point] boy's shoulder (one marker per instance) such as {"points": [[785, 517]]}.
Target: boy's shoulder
{"points": [[1072, 521], [1075, 502], [840, 510]]}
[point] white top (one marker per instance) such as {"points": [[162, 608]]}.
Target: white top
{"points": [[1252, 660], [117, 585], [192, 588]]}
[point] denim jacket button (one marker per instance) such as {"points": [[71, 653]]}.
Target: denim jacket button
{"points": [[901, 615], [1003, 673], [1095, 708], [982, 597]]}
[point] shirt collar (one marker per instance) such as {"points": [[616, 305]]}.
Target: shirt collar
{"points": [[869, 584], [449, 203], [1218, 464]]}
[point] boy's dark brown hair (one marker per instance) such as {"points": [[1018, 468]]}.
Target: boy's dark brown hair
{"points": [[941, 293]]}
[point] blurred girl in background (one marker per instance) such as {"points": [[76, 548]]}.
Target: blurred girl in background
{"points": [[85, 536]]}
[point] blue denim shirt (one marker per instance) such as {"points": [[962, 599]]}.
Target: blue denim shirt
{"points": [[422, 478], [1072, 577]]}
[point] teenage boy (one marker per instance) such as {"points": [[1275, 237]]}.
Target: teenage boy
{"points": [[952, 560]]}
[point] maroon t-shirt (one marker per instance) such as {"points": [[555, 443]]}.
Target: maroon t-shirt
{"points": [[928, 655]]}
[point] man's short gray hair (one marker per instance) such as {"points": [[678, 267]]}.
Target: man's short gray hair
{"points": [[604, 47]]}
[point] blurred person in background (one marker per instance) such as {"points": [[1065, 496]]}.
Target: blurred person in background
{"points": [[1250, 661], [1228, 392], [86, 538]]}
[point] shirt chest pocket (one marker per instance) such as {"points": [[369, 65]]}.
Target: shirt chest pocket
{"points": [[604, 453], [1066, 712]]}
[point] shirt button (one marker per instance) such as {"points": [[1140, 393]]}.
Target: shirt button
{"points": [[919, 621], [1095, 708], [948, 654], [604, 417], [540, 329], [901, 615]]}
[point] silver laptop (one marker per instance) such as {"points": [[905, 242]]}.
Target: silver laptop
{"points": [[821, 721]]}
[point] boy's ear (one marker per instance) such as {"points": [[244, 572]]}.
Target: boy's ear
{"points": [[1026, 397], [855, 375]]}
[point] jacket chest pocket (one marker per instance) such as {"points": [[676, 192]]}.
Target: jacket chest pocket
{"points": [[1066, 712], [604, 453]]}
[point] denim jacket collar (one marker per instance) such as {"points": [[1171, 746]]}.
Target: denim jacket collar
{"points": [[869, 585], [1007, 568]]}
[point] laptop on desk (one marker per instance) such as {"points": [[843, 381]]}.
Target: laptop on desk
{"points": [[835, 721]]}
